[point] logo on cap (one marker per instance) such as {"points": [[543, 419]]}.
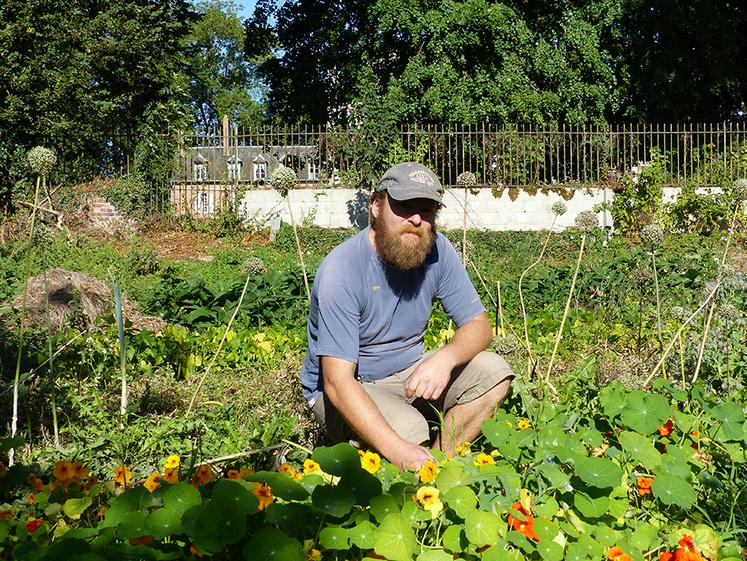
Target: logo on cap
{"points": [[421, 176]]}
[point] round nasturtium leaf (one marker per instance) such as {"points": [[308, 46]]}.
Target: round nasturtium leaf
{"points": [[75, 507], [338, 459], [332, 500], [482, 527], [122, 505], [395, 538], [220, 523], [270, 544], [334, 538], [452, 475], [673, 490], [288, 516], [362, 535], [641, 449], [590, 507], [645, 412], [462, 500], [613, 398], [732, 421], [435, 555], [549, 550], [362, 484], [382, 506], [237, 492], [164, 522], [599, 472], [132, 525], [181, 497], [496, 432], [454, 538]]}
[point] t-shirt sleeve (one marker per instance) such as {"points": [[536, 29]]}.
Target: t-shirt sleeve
{"points": [[339, 315], [455, 290]]}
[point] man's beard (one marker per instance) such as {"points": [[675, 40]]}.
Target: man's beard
{"points": [[404, 253]]}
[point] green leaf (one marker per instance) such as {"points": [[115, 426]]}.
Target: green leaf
{"points": [[497, 433], [709, 480], [181, 497], [599, 472], [605, 535], [645, 412], [641, 449], [549, 550], [164, 522], [122, 505], [363, 535], [462, 500], [220, 522], [434, 555], [554, 475], [482, 527], [382, 506], [732, 420], [338, 459], [612, 398], [644, 537], [132, 525], [577, 552], [395, 538], [362, 484], [332, 500], [334, 538], [270, 544], [281, 484], [75, 507], [452, 475], [673, 490], [237, 492], [415, 514], [590, 507], [288, 516], [498, 553], [455, 539]]}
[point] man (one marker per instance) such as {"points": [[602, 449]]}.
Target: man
{"points": [[365, 375]]}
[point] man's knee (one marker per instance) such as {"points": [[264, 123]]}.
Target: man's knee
{"points": [[488, 374]]}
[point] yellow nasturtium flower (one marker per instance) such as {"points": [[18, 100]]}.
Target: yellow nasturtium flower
{"points": [[310, 465], [463, 448], [483, 459], [172, 462], [523, 424], [427, 498], [428, 472], [370, 461]]}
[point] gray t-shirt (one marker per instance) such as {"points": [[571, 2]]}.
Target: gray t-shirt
{"points": [[375, 315]]}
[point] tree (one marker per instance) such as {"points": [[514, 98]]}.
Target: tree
{"points": [[221, 80], [82, 78]]}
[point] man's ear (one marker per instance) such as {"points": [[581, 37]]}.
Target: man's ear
{"points": [[376, 207]]}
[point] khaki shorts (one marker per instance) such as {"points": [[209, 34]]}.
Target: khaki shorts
{"points": [[410, 418]]}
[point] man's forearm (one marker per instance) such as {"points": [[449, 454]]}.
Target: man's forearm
{"points": [[470, 339]]}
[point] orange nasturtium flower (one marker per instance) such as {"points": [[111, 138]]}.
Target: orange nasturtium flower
{"points": [[666, 556], [151, 483], [667, 428], [524, 527], [428, 472], [644, 485], [483, 459], [79, 472], [35, 482], [617, 554], [263, 493], [370, 461], [172, 462], [232, 474], [122, 475], [64, 471], [310, 465], [204, 474], [523, 424], [171, 475]]}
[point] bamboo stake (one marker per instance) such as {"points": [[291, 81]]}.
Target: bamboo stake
{"points": [[298, 247]]}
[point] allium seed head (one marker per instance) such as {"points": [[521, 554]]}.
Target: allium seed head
{"points": [[504, 345], [679, 313], [642, 274], [283, 179], [652, 235], [466, 179], [254, 266], [739, 188], [41, 160], [586, 221], [729, 311], [558, 208]]}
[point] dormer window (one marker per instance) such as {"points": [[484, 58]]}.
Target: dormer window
{"points": [[234, 168], [200, 168], [260, 168], [203, 203]]}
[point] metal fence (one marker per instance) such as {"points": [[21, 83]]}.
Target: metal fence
{"points": [[209, 166]]}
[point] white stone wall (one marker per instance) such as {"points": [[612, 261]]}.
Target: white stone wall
{"points": [[345, 208]]}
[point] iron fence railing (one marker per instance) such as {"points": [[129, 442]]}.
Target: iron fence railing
{"points": [[704, 154]]}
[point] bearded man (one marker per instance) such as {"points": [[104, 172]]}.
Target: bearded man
{"points": [[365, 375]]}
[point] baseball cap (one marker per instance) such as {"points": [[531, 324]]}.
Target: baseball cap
{"points": [[411, 180]]}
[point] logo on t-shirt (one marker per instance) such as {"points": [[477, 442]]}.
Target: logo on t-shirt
{"points": [[375, 287]]}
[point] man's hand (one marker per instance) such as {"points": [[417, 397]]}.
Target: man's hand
{"points": [[431, 376], [406, 455]]}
